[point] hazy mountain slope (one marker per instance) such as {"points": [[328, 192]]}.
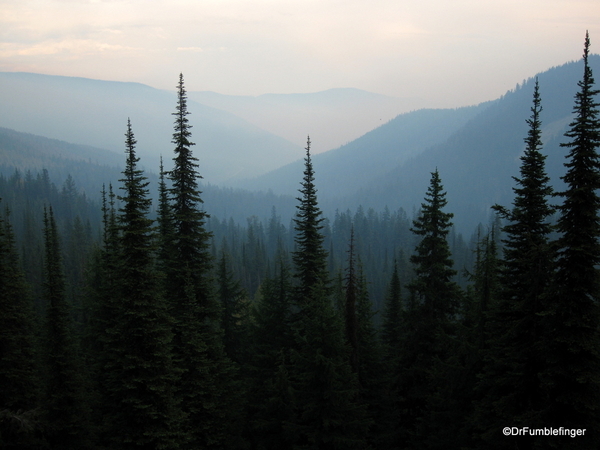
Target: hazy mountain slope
{"points": [[332, 118], [89, 167], [95, 113], [477, 163], [364, 160], [476, 150]]}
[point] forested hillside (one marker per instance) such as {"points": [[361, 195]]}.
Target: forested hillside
{"points": [[477, 149], [148, 317]]}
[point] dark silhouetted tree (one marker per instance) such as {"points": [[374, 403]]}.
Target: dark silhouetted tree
{"points": [[430, 326], [205, 386], [514, 359], [326, 390], [141, 375], [572, 381]]}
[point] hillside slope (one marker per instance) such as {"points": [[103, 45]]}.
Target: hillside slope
{"points": [[95, 113], [478, 161], [476, 150]]}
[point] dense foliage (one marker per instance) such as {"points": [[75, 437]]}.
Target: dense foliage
{"points": [[130, 325]]}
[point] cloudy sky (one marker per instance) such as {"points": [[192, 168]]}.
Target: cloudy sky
{"points": [[448, 53]]}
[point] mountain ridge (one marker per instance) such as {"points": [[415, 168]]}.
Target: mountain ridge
{"points": [[94, 112]]}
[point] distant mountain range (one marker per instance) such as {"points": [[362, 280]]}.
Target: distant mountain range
{"points": [[476, 149], [94, 113], [236, 137], [332, 118]]}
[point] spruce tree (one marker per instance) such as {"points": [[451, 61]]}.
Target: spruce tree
{"points": [[310, 258], [141, 374], [205, 387], [326, 390], [430, 322], [514, 359], [572, 378], [433, 289], [65, 406]]}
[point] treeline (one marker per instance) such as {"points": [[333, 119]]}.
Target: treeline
{"points": [[170, 329]]}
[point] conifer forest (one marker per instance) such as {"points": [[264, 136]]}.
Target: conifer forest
{"points": [[143, 321]]}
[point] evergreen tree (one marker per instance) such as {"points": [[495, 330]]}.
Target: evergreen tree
{"points": [[310, 258], [206, 383], [514, 360], [572, 378], [433, 288], [141, 374], [430, 322], [19, 371], [326, 390], [191, 240], [66, 409]]}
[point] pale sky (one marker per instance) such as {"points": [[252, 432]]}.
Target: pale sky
{"points": [[447, 52]]}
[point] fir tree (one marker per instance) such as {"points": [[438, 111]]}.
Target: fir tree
{"points": [[141, 374], [430, 323], [514, 360], [206, 383], [572, 379], [433, 288], [310, 258], [191, 240], [328, 412]]}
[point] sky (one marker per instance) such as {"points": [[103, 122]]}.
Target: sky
{"points": [[445, 53]]}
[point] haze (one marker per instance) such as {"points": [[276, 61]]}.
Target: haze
{"points": [[446, 54]]}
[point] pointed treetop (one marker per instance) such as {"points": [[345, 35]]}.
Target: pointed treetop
{"points": [[182, 127]]}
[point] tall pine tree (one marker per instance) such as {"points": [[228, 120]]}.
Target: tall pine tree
{"points": [[141, 391], [572, 378], [514, 359], [206, 383], [328, 412], [430, 320]]}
